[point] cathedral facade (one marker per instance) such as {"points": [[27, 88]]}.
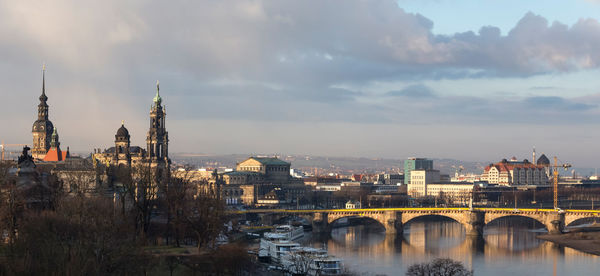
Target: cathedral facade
{"points": [[157, 144]]}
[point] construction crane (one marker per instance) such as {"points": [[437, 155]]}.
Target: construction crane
{"points": [[566, 166], [9, 145]]}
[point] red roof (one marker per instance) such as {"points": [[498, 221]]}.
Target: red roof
{"points": [[505, 167], [357, 177], [54, 155]]}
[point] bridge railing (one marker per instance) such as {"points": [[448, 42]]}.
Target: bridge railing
{"points": [[407, 210]]}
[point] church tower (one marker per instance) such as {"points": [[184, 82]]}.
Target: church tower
{"points": [[158, 138], [42, 128], [122, 145]]}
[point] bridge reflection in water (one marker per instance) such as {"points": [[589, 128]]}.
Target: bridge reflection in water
{"points": [[504, 249]]}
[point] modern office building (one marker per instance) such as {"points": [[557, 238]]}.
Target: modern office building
{"points": [[413, 163]]}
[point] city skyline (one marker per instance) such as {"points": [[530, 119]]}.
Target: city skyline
{"points": [[293, 79]]}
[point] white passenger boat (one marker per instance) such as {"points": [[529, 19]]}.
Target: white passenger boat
{"points": [[290, 232], [310, 261], [273, 246]]}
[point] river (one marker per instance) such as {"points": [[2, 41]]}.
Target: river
{"points": [[509, 247]]}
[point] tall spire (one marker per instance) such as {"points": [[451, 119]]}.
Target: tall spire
{"points": [[43, 97]]}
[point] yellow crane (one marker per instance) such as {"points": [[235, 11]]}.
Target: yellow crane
{"points": [[9, 145], [555, 173]]}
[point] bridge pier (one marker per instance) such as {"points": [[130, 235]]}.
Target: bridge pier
{"points": [[475, 220], [392, 223], [555, 222], [320, 223]]}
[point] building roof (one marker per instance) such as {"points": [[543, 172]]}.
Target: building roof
{"points": [[132, 149], [122, 131], [505, 166], [543, 160], [270, 161], [239, 173], [54, 155]]}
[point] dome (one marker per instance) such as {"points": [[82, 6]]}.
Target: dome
{"points": [[543, 160], [122, 131], [42, 126]]}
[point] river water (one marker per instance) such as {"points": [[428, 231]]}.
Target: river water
{"points": [[507, 248]]}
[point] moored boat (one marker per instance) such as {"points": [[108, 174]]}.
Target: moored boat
{"points": [[290, 232]]}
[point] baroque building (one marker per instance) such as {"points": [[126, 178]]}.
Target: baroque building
{"points": [[515, 173], [42, 128], [156, 153], [122, 153]]}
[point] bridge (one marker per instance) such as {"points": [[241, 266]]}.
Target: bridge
{"points": [[394, 219]]}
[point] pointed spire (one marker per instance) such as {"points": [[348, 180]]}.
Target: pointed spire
{"points": [[43, 97]]}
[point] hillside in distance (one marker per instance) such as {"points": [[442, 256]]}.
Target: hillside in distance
{"points": [[325, 164]]}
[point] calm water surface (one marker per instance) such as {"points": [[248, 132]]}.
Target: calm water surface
{"points": [[507, 248]]}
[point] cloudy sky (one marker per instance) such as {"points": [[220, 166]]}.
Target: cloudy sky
{"points": [[476, 80]]}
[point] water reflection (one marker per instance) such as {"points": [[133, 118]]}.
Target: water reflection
{"points": [[505, 248]]}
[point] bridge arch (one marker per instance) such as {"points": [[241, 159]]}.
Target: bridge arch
{"points": [[275, 217], [571, 217], [386, 218], [305, 218], [368, 218], [333, 217], [553, 221], [456, 216], [470, 221], [508, 216], [582, 220]]}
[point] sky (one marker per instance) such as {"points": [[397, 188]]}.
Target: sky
{"points": [[469, 80]]}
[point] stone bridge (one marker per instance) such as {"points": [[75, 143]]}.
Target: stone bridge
{"points": [[394, 219]]}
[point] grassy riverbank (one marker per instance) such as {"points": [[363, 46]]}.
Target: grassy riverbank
{"points": [[588, 242]]}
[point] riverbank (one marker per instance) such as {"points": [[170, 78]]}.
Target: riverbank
{"points": [[588, 242]]}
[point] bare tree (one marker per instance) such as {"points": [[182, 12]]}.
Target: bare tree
{"points": [[439, 267], [139, 187], [299, 261], [205, 217], [12, 204], [175, 196], [82, 236]]}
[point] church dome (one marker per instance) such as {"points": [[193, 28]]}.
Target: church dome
{"points": [[122, 132], [42, 126], [543, 160]]}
